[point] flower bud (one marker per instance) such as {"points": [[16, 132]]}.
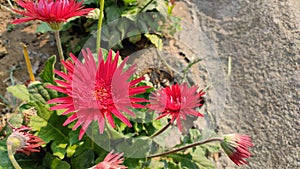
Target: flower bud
{"points": [[22, 141], [236, 147]]}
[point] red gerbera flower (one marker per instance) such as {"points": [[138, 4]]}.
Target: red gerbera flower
{"points": [[23, 142], [54, 12], [111, 161], [236, 147], [177, 101], [97, 92]]}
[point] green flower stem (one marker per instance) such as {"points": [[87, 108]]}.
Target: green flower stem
{"points": [[12, 157], [100, 25], [219, 139], [160, 131], [170, 9], [59, 48], [28, 64]]}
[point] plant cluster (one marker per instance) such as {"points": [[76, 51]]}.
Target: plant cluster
{"points": [[96, 113], [125, 23]]}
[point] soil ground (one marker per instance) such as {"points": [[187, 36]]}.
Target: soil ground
{"points": [[40, 47]]}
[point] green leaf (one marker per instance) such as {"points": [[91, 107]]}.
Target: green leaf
{"points": [[110, 138], [3, 145], [88, 2], [114, 39], [49, 127], [198, 156], [143, 116], [162, 8], [130, 2], [47, 75], [73, 137], [149, 7], [184, 160], [69, 24], [38, 92], [136, 38], [138, 147], [113, 12], [172, 165], [155, 40], [122, 26], [19, 91], [84, 160], [131, 14], [155, 164], [54, 163], [142, 25], [94, 14], [195, 134], [4, 162], [102, 155], [137, 127], [71, 150], [29, 162], [33, 161], [52, 130], [16, 120], [43, 28], [134, 35], [212, 148], [59, 149], [41, 109], [157, 124], [133, 163]]}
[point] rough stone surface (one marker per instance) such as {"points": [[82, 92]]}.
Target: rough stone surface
{"points": [[262, 95]]}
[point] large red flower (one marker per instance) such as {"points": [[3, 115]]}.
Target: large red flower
{"points": [[54, 12], [177, 101], [24, 142], [97, 92], [111, 161], [236, 147]]}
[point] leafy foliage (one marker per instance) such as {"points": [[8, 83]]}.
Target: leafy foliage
{"points": [[124, 21], [64, 150], [19, 91], [47, 75]]}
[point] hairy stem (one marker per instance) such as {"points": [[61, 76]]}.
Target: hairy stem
{"points": [[28, 63], [12, 157], [100, 26], [160, 131], [59, 48], [187, 146]]}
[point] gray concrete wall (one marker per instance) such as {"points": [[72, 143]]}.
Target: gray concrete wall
{"points": [[262, 96]]}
